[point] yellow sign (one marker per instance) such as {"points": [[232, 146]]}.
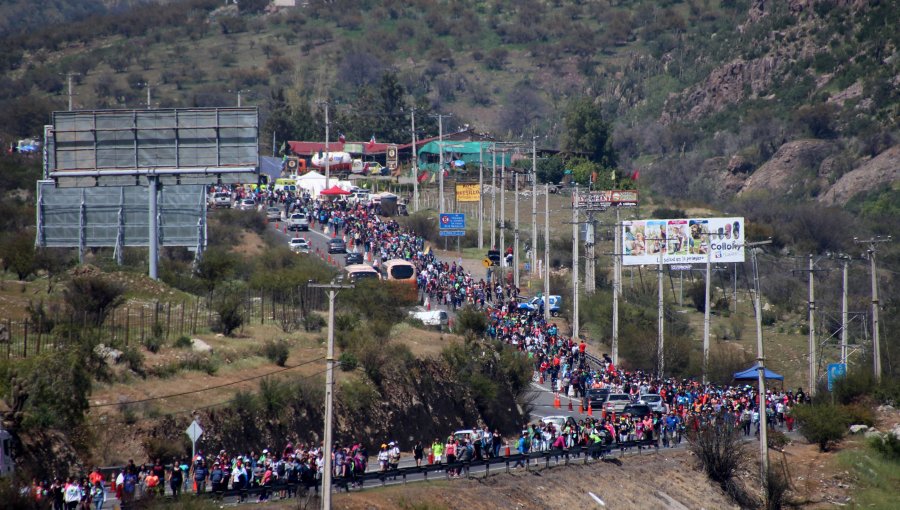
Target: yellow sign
{"points": [[467, 192], [486, 262]]}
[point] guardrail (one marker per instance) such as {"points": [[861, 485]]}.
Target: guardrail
{"points": [[584, 453]]}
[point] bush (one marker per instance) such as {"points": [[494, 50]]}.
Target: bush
{"points": [[277, 351], [134, 360], [313, 322], [164, 449], [471, 323], [859, 414], [229, 309], [720, 450], [821, 424], [348, 362], [92, 297], [153, 343], [357, 396], [887, 445], [183, 342]]}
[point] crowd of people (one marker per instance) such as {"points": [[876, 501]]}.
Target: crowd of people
{"points": [[558, 358]]}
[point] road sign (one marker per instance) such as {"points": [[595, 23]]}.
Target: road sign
{"points": [[835, 372], [453, 221], [194, 432], [453, 233], [487, 263], [392, 157]]}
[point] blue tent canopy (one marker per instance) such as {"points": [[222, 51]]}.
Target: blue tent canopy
{"points": [[752, 374]]}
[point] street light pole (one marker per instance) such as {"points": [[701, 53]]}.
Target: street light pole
{"points": [[575, 325], [415, 161], [533, 204], [546, 252], [494, 197], [480, 197], [516, 231], [328, 470]]}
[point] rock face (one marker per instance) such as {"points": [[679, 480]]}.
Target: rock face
{"points": [[793, 166], [882, 170]]}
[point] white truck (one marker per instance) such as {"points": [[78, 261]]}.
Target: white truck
{"points": [[298, 221], [535, 303]]}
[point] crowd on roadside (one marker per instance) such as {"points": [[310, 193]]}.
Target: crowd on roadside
{"points": [[558, 358]]}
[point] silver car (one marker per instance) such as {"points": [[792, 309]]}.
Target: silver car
{"points": [[655, 402]]}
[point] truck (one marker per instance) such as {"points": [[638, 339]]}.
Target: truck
{"points": [[536, 302]]}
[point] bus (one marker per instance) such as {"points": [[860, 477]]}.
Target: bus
{"points": [[356, 272], [404, 273]]}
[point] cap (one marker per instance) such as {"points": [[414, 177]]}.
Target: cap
{"points": [[383, 445], [265, 450], [391, 443]]}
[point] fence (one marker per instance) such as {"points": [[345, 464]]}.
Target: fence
{"points": [[138, 322]]}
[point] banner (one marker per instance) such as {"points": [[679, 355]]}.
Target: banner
{"points": [[683, 241], [609, 198], [467, 192]]}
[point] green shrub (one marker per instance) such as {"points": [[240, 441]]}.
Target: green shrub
{"points": [[357, 396], [153, 343], [92, 297], [277, 351], [182, 342], [348, 362], [859, 413], [821, 424], [313, 322], [134, 360], [769, 318], [887, 445], [229, 309]]}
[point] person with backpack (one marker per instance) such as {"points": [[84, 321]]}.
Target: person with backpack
{"points": [[393, 456], [522, 446]]}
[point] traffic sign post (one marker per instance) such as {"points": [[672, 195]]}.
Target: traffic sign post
{"points": [[194, 432], [391, 158], [835, 372], [453, 221]]}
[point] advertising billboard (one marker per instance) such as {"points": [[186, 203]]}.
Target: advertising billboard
{"points": [[683, 241], [467, 192], [599, 200], [115, 143]]}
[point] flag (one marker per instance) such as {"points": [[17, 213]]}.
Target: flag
{"points": [[635, 175], [283, 146], [371, 143], [342, 138], [423, 176]]}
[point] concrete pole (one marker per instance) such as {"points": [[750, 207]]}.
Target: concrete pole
{"points": [[148, 96], [69, 80], [516, 231], [812, 330], [441, 163], [575, 264], [153, 217], [327, 154], [845, 315], [239, 98], [503, 216], [533, 204], [706, 310], [617, 282], [546, 252], [660, 344], [761, 379], [480, 197], [328, 469], [876, 344], [415, 160], [494, 197], [589, 243]]}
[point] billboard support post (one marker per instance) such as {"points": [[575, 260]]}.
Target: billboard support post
{"points": [[705, 310], [516, 230], [480, 197], [82, 217], [494, 198], [660, 318], [617, 281], [575, 263], [546, 274], [153, 245]]}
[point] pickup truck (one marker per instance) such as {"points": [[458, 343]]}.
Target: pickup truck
{"points": [[535, 304], [431, 318], [221, 199], [298, 221]]}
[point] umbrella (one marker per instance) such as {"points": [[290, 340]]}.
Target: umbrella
{"points": [[334, 191]]}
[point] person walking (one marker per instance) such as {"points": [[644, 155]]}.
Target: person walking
{"points": [[418, 452]]}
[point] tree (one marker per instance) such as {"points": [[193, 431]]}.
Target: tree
{"points": [[721, 451], [93, 297], [551, 170], [587, 133], [821, 424], [17, 252]]}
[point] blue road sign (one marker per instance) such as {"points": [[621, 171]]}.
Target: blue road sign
{"points": [[453, 221], [453, 233], [835, 372]]}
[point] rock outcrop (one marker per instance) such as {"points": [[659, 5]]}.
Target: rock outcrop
{"points": [[882, 170], [794, 165]]}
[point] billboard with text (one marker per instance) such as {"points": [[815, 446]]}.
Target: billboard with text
{"points": [[683, 241]]}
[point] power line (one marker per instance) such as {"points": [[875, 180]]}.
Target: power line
{"points": [[149, 399]]}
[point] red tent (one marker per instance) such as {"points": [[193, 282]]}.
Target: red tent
{"points": [[334, 191]]}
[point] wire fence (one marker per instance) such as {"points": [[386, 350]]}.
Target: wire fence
{"points": [[138, 323]]}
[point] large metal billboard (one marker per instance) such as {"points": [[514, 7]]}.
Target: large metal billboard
{"points": [[113, 147], [119, 216], [602, 200], [683, 241]]}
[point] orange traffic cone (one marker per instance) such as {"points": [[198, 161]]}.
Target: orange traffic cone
{"points": [[590, 410], [581, 408], [570, 405], [542, 378], [556, 401]]}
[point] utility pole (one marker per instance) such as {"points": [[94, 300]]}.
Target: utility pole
{"points": [[516, 230], [845, 312], [590, 282], [239, 97], [811, 306], [148, 96], [503, 215], [876, 344], [328, 470], [327, 153], [617, 282], [761, 371], [440, 118], [415, 160], [69, 82], [706, 308], [546, 252], [660, 326], [494, 198], [533, 204], [480, 196], [575, 263]]}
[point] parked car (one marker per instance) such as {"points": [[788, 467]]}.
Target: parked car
{"points": [[536, 302], [597, 397], [299, 245], [221, 199], [246, 204], [616, 402], [431, 317], [298, 221], [354, 258], [654, 401], [336, 245], [273, 213], [637, 410], [557, 421]]}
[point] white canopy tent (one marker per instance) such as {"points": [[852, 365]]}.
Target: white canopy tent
{"points": [[314, 182]]}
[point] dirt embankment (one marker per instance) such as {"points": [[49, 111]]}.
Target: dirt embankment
{"points": [[664, 480]]}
